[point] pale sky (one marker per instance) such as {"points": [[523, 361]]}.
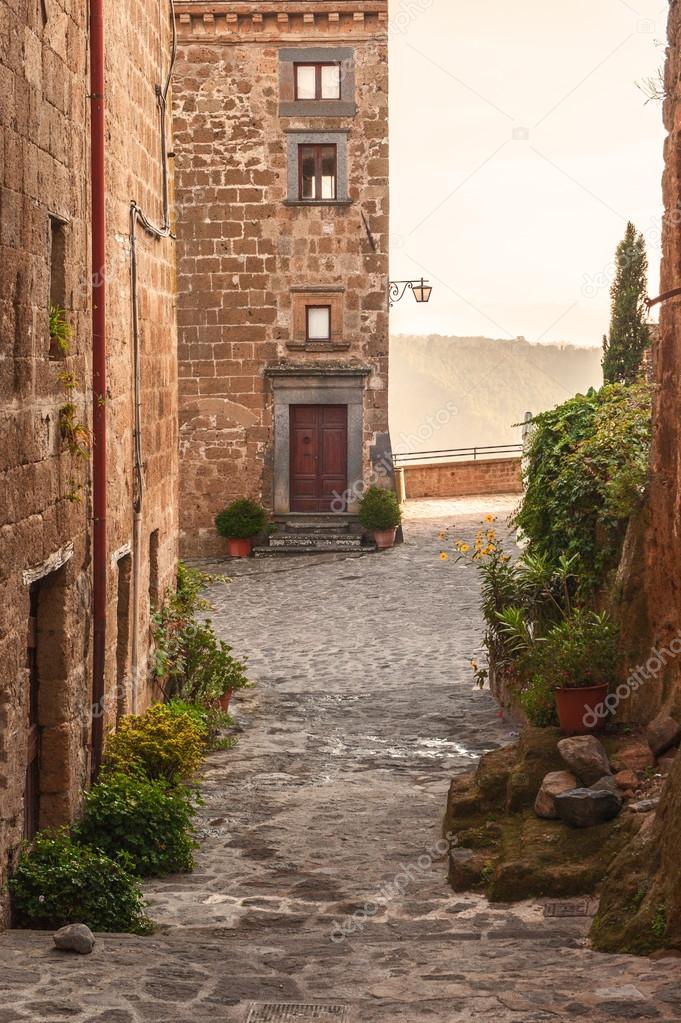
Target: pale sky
{"points": [[520, 146]]}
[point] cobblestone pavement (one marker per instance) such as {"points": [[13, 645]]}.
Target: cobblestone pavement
{"points": [[319, 879]]}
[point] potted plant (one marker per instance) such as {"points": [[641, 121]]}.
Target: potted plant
{"points": [[575, 658], [579, 655], [380, 513], [239, 522]]}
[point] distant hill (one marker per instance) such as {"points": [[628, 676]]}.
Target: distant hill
{"points": [[490, 384]]}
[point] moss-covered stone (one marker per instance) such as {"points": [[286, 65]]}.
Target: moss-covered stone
{"points": [[500, 846], [640, 907], [539, 858], [537, 755]]}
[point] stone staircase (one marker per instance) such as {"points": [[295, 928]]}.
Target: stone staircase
{"points": [[314, 534]]}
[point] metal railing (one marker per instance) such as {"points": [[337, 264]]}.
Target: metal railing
{"points": [[478, 453]]}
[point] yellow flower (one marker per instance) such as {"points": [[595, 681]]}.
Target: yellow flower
{"points": [[464, 548], [443, 555], [490, 518]]}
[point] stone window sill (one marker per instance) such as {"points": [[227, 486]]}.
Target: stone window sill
{"points": [[318, 346], [318, 202]]}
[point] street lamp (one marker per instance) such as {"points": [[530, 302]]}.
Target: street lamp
{"points": [[421, 290]]}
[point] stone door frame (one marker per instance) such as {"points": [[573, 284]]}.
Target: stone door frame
{"points": [[317, 386]]}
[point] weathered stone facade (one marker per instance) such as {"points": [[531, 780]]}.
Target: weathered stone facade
{"points": [[45, 488], [641, 899], [253, 253]]}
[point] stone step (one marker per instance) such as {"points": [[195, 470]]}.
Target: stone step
{"points": [[279, 552], [316, 539], [318, 523]]}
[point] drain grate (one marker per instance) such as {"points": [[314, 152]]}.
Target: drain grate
{"points": [[292, 1012], [581, 907]]}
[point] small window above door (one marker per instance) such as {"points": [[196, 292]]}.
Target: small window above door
{"points": [[318, 323], [320, 81]]}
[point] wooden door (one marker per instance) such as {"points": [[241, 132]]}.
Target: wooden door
{"points": [[319, 457], [32, 788]]}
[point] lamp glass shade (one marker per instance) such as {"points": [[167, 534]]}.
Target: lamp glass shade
{"points": [[422, 292]]}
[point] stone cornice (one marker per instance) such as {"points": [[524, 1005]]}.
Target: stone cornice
{"points": [[291, 20]]}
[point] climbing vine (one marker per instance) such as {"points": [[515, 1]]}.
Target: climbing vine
{"points": [[586, 473]]}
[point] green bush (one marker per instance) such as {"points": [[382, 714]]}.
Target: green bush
{"points": [[146, 819], [586, 473], [160, 744], [241, 520], [379, 509], [539, 703], [59, 882], [580, 651], [211, 718], [209, 668]]}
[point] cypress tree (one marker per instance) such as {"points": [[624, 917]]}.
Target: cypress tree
{"points": [[629, 336]]}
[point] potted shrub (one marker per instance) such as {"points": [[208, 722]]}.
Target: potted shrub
{"points": [[239, 522], [575, 658], [379, 512], [579, 655]]}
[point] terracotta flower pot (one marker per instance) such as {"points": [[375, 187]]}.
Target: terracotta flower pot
{"points": [[225, 700], [384, 538], [238, 548], [578, 709]]}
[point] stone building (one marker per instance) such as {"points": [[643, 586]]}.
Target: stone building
{"points": [[281, 125], [46, 394]]}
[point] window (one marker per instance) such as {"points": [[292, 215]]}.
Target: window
{"points": [[57, 263], [318, 81], [317, 172], [318, 323]]}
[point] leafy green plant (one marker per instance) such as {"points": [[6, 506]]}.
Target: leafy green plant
{"points": [[75, 433], [210, 669], [575, 653], [538, 702], [58, 881], [212, 719], [379, 509], [659, 922], [148, 820], [159, 744], [60, 331], [241, 520], [586, 473]]}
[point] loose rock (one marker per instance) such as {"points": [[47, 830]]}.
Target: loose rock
{"points": [[75, 938], [626, 780], [606, 784], [585, 756], [634, 756], [585, 808], [553, 785], [663, 733], [644, 805]]}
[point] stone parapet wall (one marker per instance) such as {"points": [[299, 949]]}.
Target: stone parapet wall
{"points": [[464, 479]]}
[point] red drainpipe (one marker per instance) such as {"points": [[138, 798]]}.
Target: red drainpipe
{"points": [[99, 550]]}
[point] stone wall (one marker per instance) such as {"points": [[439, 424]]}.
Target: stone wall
{"points": [[641, 899], [463, 479], [248, 253], [45, 495]]}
